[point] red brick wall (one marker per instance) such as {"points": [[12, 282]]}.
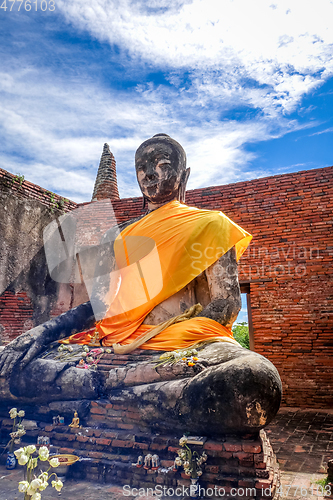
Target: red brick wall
{"points": [[288, 266], [290, 217], [31, 191], [16, 312]]}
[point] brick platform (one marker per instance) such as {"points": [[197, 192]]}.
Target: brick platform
{"points": [[109, 450]]}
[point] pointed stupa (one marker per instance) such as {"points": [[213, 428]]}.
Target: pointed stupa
{"points": [[106, 186]]}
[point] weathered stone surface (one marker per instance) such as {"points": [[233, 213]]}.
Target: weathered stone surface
{"points": [[67, 408], [233, 396], [239, 391], [57, 381], [22, 259]]}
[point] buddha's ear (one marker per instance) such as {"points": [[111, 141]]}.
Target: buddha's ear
{"points": [[144, 203], [182, 185]]}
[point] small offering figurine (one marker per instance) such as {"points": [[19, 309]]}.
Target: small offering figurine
{"points": [[147, 464], [140, 461], [76, 421], [155, 462]]}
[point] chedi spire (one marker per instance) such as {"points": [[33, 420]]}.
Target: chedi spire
{"points": [[106, 186]]}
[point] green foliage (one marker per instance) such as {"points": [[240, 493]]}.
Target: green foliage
{"points": [[241, 334], [323, 482], [18, 178], [54, 204]]}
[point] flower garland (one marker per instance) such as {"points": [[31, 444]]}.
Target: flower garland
{"points": [[187, 356], [89, 357]]}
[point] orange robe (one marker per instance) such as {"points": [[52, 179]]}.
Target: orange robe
{"points": [[156, 257]]}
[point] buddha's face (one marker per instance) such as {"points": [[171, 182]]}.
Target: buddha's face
{"points": [[159, 171]]}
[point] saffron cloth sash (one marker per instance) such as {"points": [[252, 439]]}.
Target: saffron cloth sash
{"points": [[156, 257]]}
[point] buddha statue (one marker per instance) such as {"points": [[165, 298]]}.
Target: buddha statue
{"points": [[166, 283], [75, 422]]}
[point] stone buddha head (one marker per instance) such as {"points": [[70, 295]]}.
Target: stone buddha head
{"points": [[161, 171]]}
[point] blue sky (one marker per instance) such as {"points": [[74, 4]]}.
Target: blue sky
{"points": [[245, 87]]}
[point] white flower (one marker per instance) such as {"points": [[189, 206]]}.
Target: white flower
{"points": [[186, 464], [13, 413], [178, 461], [176, 355], [21, 413], [34, 463], [183, 441], [194, 351], [30, 449], [108, 351], [54, 462], [36, 496], [23, 486], [57, 485], [36, 483], [43, 453], [23, 459], [19, 452], [70, 348], [31, 490], [43, 486], [166, 355], [43, 476], [86, 348], [20, 432], [199, 473], [188, 472]]}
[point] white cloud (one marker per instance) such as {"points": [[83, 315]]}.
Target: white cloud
{"points": [[62, 133], [217, 55], [279, 47], [326, 131]]}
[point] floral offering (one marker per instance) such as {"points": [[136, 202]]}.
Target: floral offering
{"points": [[18, 428], [187, 356], [34, 483], [190, 461]]}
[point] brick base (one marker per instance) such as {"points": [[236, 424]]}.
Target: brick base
{"points": [[243, 467]]}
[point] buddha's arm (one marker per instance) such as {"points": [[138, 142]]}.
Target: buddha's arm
{"points": [[28, 345], [222, 279]]}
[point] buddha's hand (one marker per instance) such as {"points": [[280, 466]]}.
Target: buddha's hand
{"points": [[24, 348]]}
